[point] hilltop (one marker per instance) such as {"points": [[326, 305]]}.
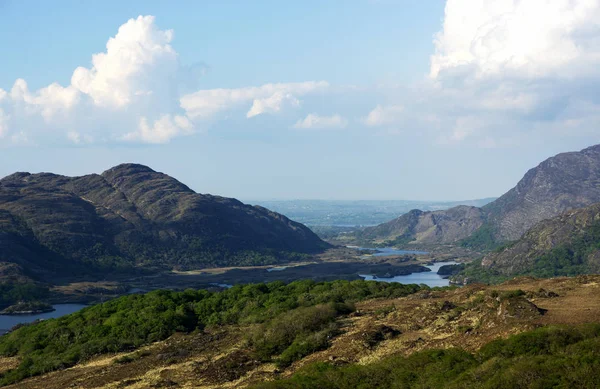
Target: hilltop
{"points": [[132, 218], [561, 183]]}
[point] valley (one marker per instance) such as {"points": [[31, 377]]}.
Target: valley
{"points": [[468, 318]]}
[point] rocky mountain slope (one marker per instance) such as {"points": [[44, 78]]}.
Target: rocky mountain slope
{"points": [[569, 243], [131, 216], [561, 183]]}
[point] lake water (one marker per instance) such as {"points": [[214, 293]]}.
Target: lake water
{"points": [[9, 321], [430, 278], [389, 251]]}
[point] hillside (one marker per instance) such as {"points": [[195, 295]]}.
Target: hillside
{"points": [[522, 333], [131, 217], [568, 244], [561, 183]]}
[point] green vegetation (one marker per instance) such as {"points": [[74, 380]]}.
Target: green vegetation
{"points": [[571, 258], [568, 259], [550, 357], [296, 321], [298, 333], [11, 293], [475, 272], [399, 241], [29, 306], [482, 239]]}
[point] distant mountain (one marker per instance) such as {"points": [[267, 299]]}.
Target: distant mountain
{"points": [[352, 213], [567, 244], [130, 217], [445, 226], [566, 181]]}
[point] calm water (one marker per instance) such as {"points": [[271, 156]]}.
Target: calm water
{"points": [[430, 278], [9, 321], [280, 268], [389, 251]]}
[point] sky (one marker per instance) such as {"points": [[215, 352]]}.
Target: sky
{"points": [[353, 99]]}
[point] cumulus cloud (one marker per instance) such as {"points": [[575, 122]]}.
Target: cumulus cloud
{"points": [[135, 78], [384, 115], [530, 38], [134, 91], [268, 98], [503, 70], [3, 123], [129, 66], [162, 130], [314, 121]]}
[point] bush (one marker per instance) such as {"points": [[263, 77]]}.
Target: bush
{"points": [[290, 312], [551, 357]]}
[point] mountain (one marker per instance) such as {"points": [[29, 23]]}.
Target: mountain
{"points": [[567, 244], [428, 227], [131, 216], [561, 183]]}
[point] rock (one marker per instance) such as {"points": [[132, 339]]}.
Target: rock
{"points": [[561, 183], [130, 214]]}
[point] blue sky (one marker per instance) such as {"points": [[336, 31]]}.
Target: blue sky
{"points": [[361, 99]]}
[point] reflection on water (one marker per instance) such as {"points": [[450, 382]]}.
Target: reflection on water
{"points": [[430, 278], [281, 268], [9, 321], [389, 251]]}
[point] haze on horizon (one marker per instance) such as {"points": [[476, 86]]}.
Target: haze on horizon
{"points": [[362, 99]]}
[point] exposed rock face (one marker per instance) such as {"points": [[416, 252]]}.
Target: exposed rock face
{"points": [[549, 234], [561, 183], [430, 227], [136, 215]]}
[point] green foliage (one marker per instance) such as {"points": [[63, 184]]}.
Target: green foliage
{"points": [[475, 272], [131, 321], [569, 259], [482, 239], [297, 333], [399, 241], [11, 293], [550, 357]]}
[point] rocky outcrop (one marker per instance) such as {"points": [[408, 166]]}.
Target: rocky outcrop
{"points": [[132, 216], [428, 227], [573, 227], [561, 183]]}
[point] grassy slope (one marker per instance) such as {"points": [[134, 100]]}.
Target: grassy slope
{"points": [[221, 356]]}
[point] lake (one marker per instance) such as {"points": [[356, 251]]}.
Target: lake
{"points": [[389, 251], [430, 278], [9, 321]]}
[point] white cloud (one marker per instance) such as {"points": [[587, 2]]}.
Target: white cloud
{"points": [[47, 101], [129, 66], [272, 104], [3, 123], [384, 115], [133, 81], [321, 122], [531, 38], [268, 98], [162, 130]]}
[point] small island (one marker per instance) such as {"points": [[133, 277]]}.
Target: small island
{"points": [[28, 308]]}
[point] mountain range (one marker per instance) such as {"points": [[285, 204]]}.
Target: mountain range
{"points": [[564, 182], [131, 216]]}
